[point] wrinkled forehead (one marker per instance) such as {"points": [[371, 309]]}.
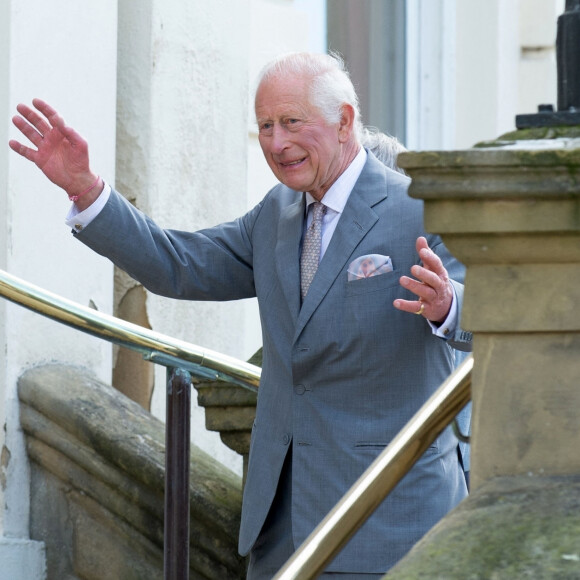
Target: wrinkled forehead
{"points": [[283, 94]]}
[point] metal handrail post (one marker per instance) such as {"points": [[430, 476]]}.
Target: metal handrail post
{"points": [[177, 434]]}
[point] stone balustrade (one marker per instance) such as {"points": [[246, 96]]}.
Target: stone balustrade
{"points": [[97, 485]]}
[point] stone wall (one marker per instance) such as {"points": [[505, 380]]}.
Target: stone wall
{"points": [[97, 480]]}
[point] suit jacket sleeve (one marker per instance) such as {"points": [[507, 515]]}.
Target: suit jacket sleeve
{"points": [[460, 339], [211, 264]]}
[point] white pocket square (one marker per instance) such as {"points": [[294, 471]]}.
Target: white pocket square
{"points": [[368, 266]]}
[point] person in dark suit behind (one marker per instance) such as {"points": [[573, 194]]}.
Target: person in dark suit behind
{"points": [[384, 147], [347, 360]]}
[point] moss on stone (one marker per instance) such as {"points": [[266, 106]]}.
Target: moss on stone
{"points": [[537, 133], [510, 528]]}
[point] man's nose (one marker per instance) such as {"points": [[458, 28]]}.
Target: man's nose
{"points": [[279, 139]]}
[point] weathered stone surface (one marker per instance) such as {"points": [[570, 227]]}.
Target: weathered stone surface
{"points": [[535, 133], [230, 410], [510, 211], [511, 528], [527, 419], [97, 462]]}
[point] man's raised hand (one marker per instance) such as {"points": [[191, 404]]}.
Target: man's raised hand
{"points": [[58, 151]]}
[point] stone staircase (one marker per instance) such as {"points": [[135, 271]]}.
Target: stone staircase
{"points": [[97, 479]]}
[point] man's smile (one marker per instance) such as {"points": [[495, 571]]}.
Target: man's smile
{"points": [[291, 163]]}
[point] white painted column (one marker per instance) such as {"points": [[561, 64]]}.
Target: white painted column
{"points": [[182, 155], [187, 122], [486, 70], [430, 66], [472, 66], [537, 75], [65, 53]]}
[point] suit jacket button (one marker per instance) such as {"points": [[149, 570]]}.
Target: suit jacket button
{"points": [[299, 389], [286, 439]]}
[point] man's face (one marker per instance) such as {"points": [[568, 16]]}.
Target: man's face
{"points": [[302, 149]]}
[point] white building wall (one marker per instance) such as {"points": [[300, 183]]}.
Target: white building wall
{"points": [[430, 74], [472, 66], [487, 52], [182, 149], [537, 77], [506, 64], [65, 53]]}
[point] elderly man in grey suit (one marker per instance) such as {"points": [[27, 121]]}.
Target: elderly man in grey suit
{"points": [[352, 345]]}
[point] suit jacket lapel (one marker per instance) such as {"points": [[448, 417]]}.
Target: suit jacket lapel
{"points": [[356, 220], [288, 253]]}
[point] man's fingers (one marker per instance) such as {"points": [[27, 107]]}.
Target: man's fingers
{"points": [[36, 120], [411, 306], [27, 130], [423, 291], [37, 126], [432, 262], [73, 137], [26, 152], [54, 119], [431, 285], [58, 122], [421, 244], [429, 257], [44, 108]]}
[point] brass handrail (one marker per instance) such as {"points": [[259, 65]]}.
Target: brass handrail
{"points": [[380, 478], [154, 346], [182, 360]]}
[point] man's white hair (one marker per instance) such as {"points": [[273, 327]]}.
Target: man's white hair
{"points": [[330, 85]]}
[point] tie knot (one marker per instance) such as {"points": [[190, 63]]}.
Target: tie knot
{"points": [[318, 210]]}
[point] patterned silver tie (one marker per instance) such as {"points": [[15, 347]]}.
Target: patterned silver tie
{"points": [[311, 248]]}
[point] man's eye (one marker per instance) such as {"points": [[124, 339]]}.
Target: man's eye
{"points": [[292, 124], [265, 127]]}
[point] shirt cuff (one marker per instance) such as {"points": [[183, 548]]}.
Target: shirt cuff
{"points": [[447, 329], [77, 220]]}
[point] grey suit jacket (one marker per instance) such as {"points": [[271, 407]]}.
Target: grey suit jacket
{"points": [[342, 373]]}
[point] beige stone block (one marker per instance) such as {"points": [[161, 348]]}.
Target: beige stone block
{"points": [[522, 298], [525, 400]]}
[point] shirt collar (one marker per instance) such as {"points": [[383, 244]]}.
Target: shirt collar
{"points": [[337, 196]]}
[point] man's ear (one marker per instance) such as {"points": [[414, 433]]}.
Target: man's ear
{"points": [[346, 124]]}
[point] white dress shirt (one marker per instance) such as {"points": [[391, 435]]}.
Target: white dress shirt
{"points": [[77, 220], [335, 199]]}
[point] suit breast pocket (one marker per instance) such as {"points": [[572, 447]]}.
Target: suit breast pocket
{"points": [[368, 313], [373, 284]]}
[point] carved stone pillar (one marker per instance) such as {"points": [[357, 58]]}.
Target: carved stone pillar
{"points": [[511, 213], [231, 410]]}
